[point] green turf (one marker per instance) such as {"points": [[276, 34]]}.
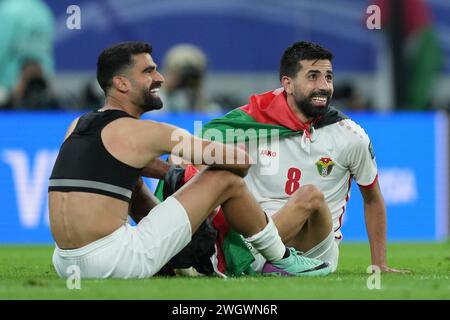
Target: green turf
{"points": [[27, 273]]}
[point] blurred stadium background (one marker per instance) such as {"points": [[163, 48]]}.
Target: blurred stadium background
{"points": [[394, 82]]}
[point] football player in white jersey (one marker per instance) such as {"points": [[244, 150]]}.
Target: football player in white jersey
{"points": [[332, 151], [326, 149], [311, 166]]}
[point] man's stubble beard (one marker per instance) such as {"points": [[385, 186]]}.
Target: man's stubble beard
{"points": [[148, 102], [304, 104]]}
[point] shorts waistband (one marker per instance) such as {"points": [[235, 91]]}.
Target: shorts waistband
{"points": [[97, 244]]}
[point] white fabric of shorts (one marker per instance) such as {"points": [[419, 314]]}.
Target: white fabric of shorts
{"points": [[131, 251], [327, 250]]}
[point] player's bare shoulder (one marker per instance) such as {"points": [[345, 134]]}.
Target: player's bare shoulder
{"points": [[135, 131], [151, 137], [128, 140], [120, 130], [160, 133]]}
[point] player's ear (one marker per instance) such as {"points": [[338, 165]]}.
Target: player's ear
{"points": [[121, 83], [287, 84]]}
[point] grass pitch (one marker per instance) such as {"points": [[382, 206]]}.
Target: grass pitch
{"points": [[26, 273]]}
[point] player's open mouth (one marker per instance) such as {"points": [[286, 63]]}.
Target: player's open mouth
{"points": [[155, 91], [319, 101]]}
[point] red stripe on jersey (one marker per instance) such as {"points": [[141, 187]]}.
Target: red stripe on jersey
{"points": [[347, 197], [340, 223], [370, 186]]}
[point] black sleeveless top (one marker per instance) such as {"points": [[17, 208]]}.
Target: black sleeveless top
{"points": [[84, 164]]}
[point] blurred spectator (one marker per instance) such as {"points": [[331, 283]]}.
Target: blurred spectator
{"points": [[92, 95], [347, 97], [26, 33], [184, 72], [417, 56], [32, 90], [227, 101]]}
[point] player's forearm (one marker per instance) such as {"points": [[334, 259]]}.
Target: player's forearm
{"points": [[156, 169], [232, 159], [238, 169], [375, 217], [142, 201]]}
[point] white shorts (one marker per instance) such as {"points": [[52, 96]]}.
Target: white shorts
{"points": [[131, 252], [327, 250]]}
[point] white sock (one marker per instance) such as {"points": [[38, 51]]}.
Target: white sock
{"points": [[268, 242]]}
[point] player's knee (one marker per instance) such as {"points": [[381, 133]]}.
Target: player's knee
{"points": [[226, 180], [316, 198], [318, 208], [308, 197], [237, 183]]}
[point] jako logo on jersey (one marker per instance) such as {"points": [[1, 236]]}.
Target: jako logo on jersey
{"points": [[268, 153], [324, 166]]}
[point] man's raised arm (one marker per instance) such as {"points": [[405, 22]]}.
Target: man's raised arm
{"points": [[168, 139]]}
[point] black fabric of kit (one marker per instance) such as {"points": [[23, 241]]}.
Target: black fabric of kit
{"points": [[198, 252]]}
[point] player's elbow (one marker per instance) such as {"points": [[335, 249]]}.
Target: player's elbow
{"points": [[242, 162], [242, 169]]}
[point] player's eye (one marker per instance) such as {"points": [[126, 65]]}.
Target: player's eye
{"points": [[149, 70]]}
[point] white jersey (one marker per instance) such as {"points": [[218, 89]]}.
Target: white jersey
{"points": [[329, 159]]}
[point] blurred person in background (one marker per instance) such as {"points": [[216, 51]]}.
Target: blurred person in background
{"points": [[348, 96], [417, 57], [92, 95], [227, 101], [185, 68], [26, 34], [32, 90]]}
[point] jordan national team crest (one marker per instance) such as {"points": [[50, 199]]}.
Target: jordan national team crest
{"points": [[324, 166]]}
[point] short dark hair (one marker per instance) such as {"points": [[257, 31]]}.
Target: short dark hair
{"points": [[302, 50], [117, 57]]}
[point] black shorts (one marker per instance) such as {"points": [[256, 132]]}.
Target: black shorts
{"points": [[196, 254]]}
